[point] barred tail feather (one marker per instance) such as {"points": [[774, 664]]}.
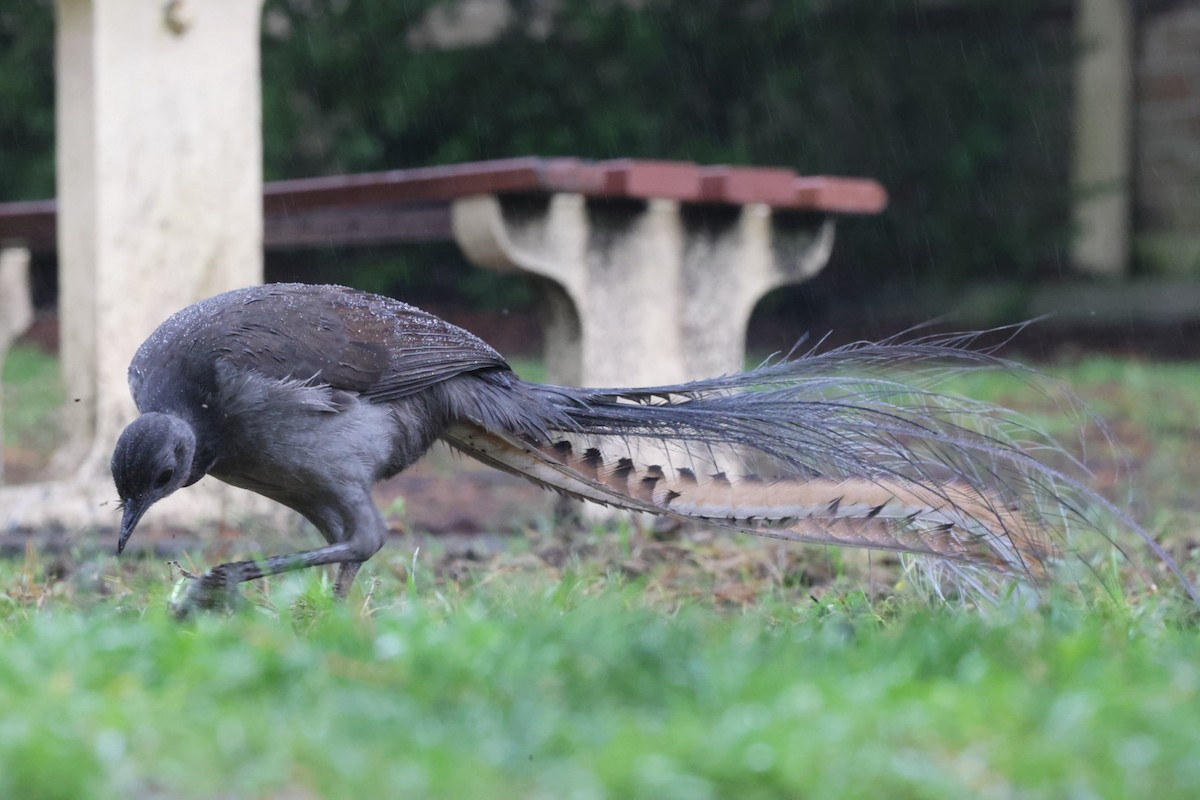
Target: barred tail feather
{"points": [[951, 523], [855, 447]]}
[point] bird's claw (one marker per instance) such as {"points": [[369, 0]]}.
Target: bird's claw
{"points": [[208, 592]]}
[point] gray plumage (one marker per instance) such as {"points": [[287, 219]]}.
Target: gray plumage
{"points": [[309, 395]]}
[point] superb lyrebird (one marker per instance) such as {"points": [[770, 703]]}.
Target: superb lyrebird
{"points": [[309, 395]]}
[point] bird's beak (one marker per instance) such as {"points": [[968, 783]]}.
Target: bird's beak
{"points": [[129, 520]]}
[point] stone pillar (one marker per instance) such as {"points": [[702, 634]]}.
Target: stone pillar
{"points": [[643, 292], [1103, 128], [16, 310], [160, 204]]}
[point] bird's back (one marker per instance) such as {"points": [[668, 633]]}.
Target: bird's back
{"points": [[375, 347]]}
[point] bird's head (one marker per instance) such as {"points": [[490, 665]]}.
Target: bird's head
{"points": [[152, 459]]}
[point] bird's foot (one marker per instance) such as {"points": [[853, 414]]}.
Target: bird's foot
{"points": [[211, 591]]}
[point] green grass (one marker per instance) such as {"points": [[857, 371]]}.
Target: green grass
{"points": [[31, 391], [31, 395], [527, 687], [618, 663]]}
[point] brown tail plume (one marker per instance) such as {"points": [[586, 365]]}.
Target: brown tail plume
{"points": [[857, 446], [952, 522]]}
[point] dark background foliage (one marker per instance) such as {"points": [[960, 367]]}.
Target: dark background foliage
{"points": [[26, 99]]}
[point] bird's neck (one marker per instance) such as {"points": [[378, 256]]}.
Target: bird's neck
{"points": [[207, 449]]}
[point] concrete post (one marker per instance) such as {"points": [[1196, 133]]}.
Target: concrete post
{"points": [[643, 292], [16, 310], [1103, 130], [160, 204]]}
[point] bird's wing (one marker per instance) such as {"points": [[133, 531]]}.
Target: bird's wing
{"points": [[380, 348]]}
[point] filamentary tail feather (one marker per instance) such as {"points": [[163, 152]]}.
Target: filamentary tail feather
{"points": [[840, 447]]}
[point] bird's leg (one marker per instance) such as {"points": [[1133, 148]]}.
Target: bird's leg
{"points": [[345, 577], [217, 587]]}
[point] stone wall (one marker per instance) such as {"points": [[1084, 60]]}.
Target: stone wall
{"points": [[1167, 141]]}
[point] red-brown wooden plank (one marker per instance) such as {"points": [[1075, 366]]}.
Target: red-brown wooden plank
{"points": [[33, 223], [572, 175], [314, 201], [839, 195], [771, 185], [377, 224], [676, 180], [406, 185]]}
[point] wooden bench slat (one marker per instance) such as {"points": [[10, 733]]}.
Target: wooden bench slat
{"points": [[741, 185], [322, 210], [839, 195], [405, 185], [375, 224], [673, 180], [32, 223]]}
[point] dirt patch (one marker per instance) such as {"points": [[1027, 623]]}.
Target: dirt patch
{"points": [[449, 493]]}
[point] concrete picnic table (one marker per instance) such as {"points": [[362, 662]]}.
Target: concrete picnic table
{"points": [[650, 268]]}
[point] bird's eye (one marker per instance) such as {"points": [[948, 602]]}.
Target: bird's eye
{"points": [[164, 478]]}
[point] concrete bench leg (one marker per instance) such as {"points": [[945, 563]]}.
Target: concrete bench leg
{"points": [[643, 292], [160, 204], [16, 310]]}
